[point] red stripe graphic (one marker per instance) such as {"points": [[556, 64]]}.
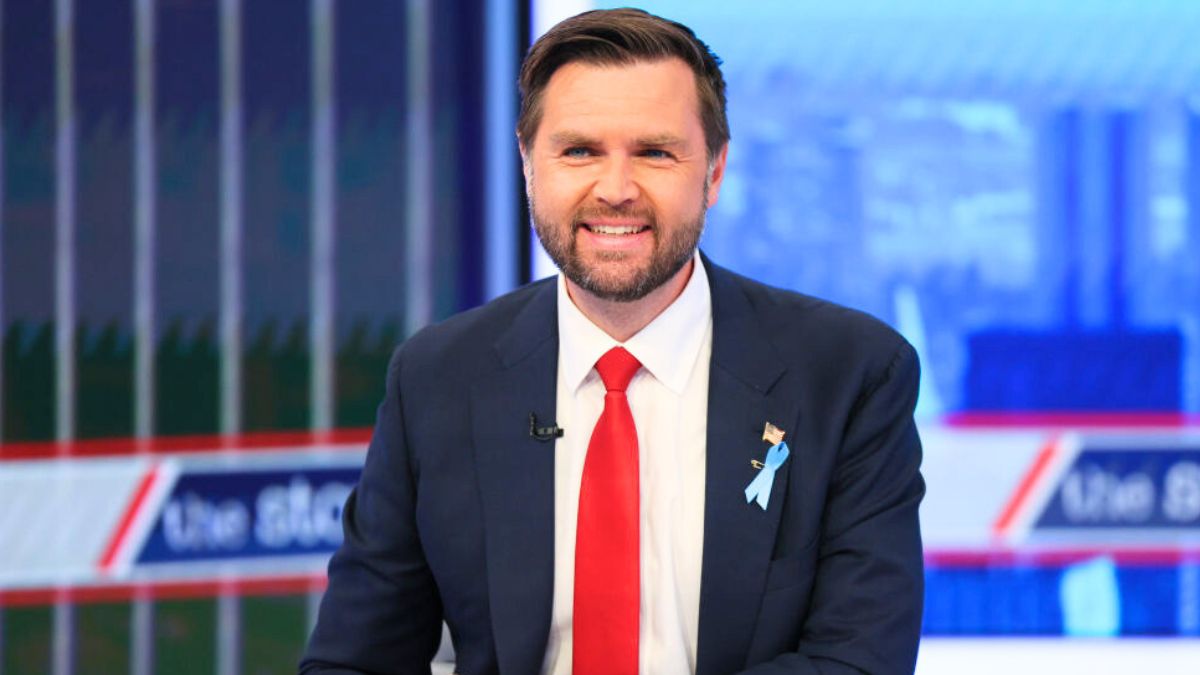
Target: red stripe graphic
{"points": [[126, 522], [1025, 487], [166, 590], [338, 439], [1071, 419], [1059, 557]]}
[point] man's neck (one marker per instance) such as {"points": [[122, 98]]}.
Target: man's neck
{"points": [[623, 320]]}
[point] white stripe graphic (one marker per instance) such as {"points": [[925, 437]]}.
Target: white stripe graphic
{"points": [[500, 178], [64, 639], [231, 216], [141, 649], [321, 338], [418, 221], [229, 633], [63, 648], [322, 383], [64, 220], [141, 622], [144, 206], [228, 617]]}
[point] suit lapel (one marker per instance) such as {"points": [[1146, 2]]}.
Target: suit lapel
{"points": [[516, 483], [739, 538]]}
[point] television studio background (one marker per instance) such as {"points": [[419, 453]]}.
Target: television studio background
{"points": [[217, 218]]}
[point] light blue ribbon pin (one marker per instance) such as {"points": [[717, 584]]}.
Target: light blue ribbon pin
{"points": [[759, 489]]}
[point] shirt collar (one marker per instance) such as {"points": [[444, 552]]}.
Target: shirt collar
{"points": [[667, 347]]}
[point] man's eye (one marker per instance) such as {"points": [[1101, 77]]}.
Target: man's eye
{"points": [[656, 153], [577, 152]]}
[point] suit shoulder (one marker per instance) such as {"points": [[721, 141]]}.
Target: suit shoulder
{"points": [[800, 322]]}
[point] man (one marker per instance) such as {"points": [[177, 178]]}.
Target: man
{"points": [[574, 477]]}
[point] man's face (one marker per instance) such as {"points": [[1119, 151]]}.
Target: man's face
{"points": [[618, 175]]}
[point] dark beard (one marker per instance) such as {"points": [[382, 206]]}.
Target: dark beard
{"points": [[669, 256]]}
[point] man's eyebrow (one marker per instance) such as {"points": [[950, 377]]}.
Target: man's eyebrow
{"points": [[659, 140], [570, 138], [567, 138]]}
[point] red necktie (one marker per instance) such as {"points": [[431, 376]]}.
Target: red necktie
{"points": [[607, 582]]}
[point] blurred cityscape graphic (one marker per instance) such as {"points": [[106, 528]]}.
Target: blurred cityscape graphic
{"points": [[1016, 186]]}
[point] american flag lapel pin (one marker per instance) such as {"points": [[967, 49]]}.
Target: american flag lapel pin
{"points": [[759, 489], [773, 435]]}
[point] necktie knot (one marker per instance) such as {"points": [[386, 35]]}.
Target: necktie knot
{"points": [[617, 367]]}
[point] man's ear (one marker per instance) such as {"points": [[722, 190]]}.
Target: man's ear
{"points": [[526, 168], [716, 174]]}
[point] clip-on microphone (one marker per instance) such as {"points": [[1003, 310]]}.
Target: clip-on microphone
{"points": [[543, 433]]}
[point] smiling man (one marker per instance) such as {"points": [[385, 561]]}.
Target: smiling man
{"points": [[647, 464], [619, 178]]}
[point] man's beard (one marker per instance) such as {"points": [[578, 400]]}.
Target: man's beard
{"points": [[672, 250]]}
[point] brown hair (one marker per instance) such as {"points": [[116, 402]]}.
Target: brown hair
{"points": [[622, 37]]}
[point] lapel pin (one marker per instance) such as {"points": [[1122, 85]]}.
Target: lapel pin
{"points": [[759, 489], [773, 434]]}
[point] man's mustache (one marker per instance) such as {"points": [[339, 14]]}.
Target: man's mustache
{"points": [[592, 213]]}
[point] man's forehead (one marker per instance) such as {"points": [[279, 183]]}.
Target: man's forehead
{"points": [[581, 95], [670, 68]]}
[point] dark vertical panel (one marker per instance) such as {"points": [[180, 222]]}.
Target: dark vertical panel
{"points": [[277, 92], [472, 79], [524, 231], [187, 89], [1049, 168], [28, 266], [1095, 221], [459, 160], [184, 633], [104, 218], [1070, 193], [275, 633], [1121, 126], [103, 636], [27, 632], [370, 179]]}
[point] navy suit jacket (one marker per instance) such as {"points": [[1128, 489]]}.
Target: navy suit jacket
{"points": [[453, 518]]}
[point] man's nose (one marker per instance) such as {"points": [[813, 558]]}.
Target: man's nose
{"points": [[616, 185]]}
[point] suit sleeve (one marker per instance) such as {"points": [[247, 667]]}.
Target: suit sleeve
{"points": [[381, 612], [865, 610]]}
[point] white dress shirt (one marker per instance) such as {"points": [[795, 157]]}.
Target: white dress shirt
{"points": [[669, 400]]}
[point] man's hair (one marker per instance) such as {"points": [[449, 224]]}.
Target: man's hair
{"points": [[623, 37]]}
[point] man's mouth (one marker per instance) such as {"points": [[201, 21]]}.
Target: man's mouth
{"points": [[598, 228]]}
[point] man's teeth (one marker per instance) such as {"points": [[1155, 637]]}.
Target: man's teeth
{"points": [[615, 229]]}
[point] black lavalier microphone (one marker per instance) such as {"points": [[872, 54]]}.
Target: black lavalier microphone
{"points": [[543, 433]]}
